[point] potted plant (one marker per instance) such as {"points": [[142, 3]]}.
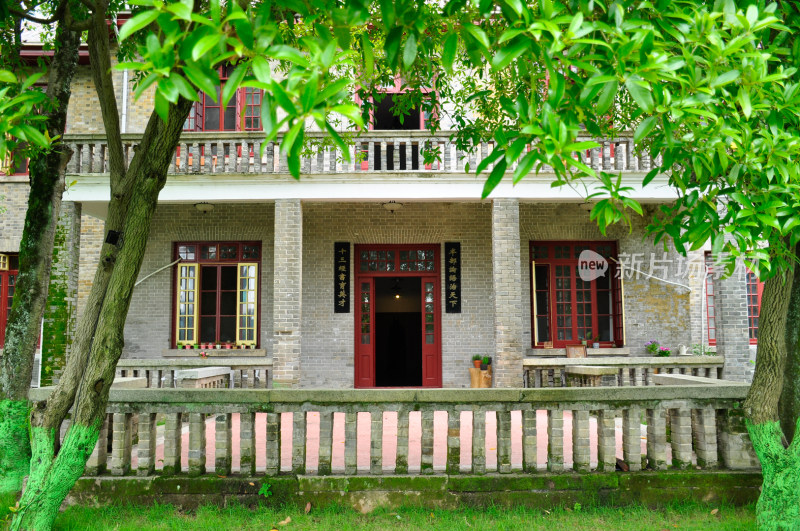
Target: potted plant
{"points": [[583, 342], [596, 341], [485, 361], [227, 346], [663, 352], [652, 347], [476, 361], [217, 346]]}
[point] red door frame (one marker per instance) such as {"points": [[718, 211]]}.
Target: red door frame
{"points": [[364, 354]]}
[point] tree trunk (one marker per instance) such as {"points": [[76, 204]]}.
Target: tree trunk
{"points": [[52, 476], [789, 405], [779, 503], [35, 257]]}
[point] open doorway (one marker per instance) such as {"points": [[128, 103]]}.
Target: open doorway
{"points": [[398, 332]]}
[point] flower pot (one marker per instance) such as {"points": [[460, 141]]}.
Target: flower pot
{"points": [[217, 346], [595, 345], [477, 363], [484, 366]]}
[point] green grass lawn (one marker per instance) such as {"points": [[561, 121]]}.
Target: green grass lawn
{"points": [[577, 518]]}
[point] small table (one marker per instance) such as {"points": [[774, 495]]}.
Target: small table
{"points": [[587, 375]]}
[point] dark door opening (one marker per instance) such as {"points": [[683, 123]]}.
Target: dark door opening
{"points": [[398, 332]]}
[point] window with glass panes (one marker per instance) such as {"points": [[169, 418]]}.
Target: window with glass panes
{"points": [[217, 293], [242, 113], [565, 309], [754, 289], [9, 269]]}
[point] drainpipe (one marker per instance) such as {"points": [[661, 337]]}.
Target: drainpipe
{"points": [[123, 127]]}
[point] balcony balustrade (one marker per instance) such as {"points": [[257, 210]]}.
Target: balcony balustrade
{"points": [[371, 152]]}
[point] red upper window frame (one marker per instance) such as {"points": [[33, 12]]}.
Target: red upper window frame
{"points": [[247, 100], [754, 288]]}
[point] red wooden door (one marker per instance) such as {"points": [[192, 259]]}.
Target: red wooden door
{"points": [[431, 318], [365, 333]]}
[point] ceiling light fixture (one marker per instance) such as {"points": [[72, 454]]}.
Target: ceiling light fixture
{"points": [[392, 206]]}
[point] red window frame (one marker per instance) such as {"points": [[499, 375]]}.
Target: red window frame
{"points": [[247, 100], [390, 91], [179, 251], [566, 292], [7, 283]]}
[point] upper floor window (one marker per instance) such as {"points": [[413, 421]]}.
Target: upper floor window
{"points": [[242, 113], [569, 306], [9, 270], [217, 293]]}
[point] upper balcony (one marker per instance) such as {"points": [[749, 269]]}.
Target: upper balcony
{"points": [[371, 152], [384, 165]]}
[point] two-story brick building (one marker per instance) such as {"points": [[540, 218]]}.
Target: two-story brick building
{"points": [[382, 272]]}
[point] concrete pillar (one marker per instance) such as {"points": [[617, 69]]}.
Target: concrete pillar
{"points": [[147, 444], [705, 432], [555, 441], [656, 439], [681, 435], [478, 441], [580, 441], [606, 440], [426, 459], [121, 444], [96, 464], [325, 442], [350, 440], [197, 444], [401, 461], [172, 443], [632, 438], [453, 441], [733, 337], [376, 442], [287, 293], [299, 442], [504, 441], [61, 310], [273, 444], [529, 440], [507, 285], [223, 447], [247, 443]]}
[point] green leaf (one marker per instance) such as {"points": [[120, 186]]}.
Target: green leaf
{"points": [[338, 141], [504, 57], [180, 10], [410, 51], [649, 177], [493, 156], [186, 90], [392, 46], [449, 52], [369, 56], [580, 146], [644, 128], [607, 96], [202, 80], [35, 136], [261, 69], [293, 161], [205, 44], [292, 136], [724, 79], [288, 53], [640, 92], [494, 179], [525, 166], [744, 101], [162, 107], [232, 84], [137, 22]]}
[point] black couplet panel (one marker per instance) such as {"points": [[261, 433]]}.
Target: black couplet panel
{"points": [[452, 276], [341, 277]]}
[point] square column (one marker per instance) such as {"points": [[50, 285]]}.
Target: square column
{"points": [[733, 332], [507, 287], [287, 293]]}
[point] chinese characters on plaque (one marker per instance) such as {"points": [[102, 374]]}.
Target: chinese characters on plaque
{"points": [[452, 275], [341, 277]]}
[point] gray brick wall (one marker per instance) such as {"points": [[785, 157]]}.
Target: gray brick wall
{"points": [[13, 205], [148, 330], [733, 338]]}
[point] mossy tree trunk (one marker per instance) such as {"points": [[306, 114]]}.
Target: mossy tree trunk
{"points": [[47, 174], [779, 503], [90, 370]]}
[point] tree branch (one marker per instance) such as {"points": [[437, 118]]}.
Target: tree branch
{"points": [[57, 15]]}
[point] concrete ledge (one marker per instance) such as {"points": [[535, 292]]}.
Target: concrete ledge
{"points": [[366, 493], [247, 399], [130, 382], [202, 372], [643, 361], [196, 361], [684, 379]]}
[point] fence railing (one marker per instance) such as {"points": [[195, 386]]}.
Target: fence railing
{"points": [[630, 371], [371, 152], [454, 431], [246, 372]]}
